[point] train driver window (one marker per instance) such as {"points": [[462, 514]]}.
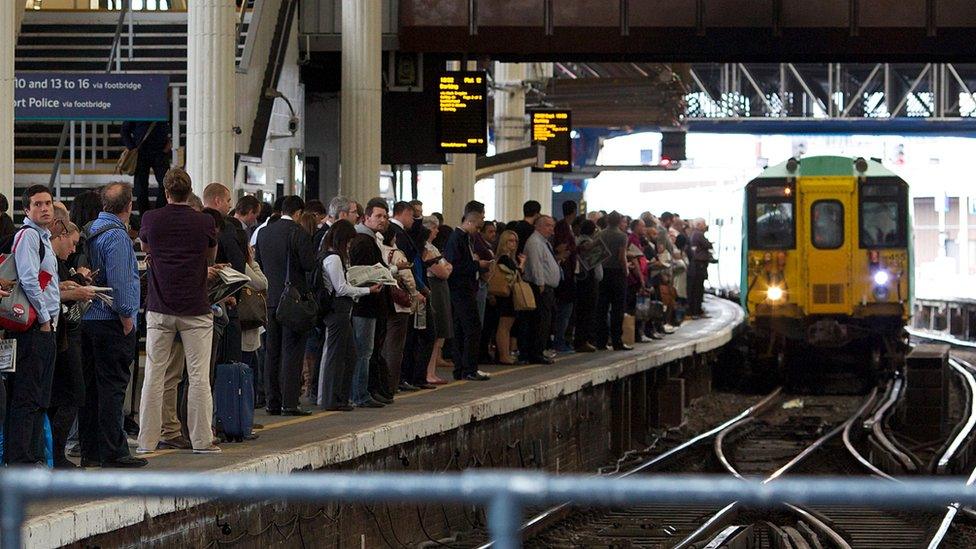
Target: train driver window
{"points": [[774, 225], [827, 220], [879, 224]]}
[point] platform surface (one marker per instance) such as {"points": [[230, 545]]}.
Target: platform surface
{"points": [[327, 438]]}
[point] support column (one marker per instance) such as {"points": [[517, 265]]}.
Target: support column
{"points": [[540, 183], [211, 97], [458, 187], [361, 98], [10, 15], [510, 134], [962, 240], [458, 177]]}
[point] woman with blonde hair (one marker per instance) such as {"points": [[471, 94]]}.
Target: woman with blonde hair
{"points": [[508, 262]]}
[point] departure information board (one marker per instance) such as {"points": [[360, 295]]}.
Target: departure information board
{"points": [[462, 114], [552, 128]]}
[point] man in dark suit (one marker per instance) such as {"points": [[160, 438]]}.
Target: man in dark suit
{"points": [[464, 289], [231, 250], [284, 249]]}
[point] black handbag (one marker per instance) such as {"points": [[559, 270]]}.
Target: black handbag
{"points": [[296, 310]]}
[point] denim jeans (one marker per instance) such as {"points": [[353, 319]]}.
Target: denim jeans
{"points": [[482, 298], [564, 312], [363, 331]]}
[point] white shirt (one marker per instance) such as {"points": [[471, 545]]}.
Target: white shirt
{"points": [[254, 235], [334, 275]]}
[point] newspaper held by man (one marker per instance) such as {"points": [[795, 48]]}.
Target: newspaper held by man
{"points": [[368, 275]]}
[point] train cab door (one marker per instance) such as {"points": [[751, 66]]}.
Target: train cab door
{"points": [[825, 205]]}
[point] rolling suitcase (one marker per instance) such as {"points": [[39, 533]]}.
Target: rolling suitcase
{"points": [[234, 400]]}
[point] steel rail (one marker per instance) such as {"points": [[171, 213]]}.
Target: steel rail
{"points": [[876, 424], [953, 509], [849, 443], [720, 518], [945, 460], [549, 514]]}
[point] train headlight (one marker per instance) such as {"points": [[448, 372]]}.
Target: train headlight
{"points": [[774, 293], [881, 278]]}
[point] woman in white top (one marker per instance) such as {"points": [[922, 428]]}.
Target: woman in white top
{"points": [[339, 359]]}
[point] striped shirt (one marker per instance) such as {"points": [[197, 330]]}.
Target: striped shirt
{"points": [[114, 257]]}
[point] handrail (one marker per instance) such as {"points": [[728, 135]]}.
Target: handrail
{"points": [[113, 54], [505, 493]]}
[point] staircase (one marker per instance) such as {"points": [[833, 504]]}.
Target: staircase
{"points": [[150, 43]]}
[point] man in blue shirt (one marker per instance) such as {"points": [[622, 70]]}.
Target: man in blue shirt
{"points": [[109, 333], [37, 273]]}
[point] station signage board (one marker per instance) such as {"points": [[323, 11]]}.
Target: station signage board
{"points": [[553, 128], [90, 96], [462, 112]]}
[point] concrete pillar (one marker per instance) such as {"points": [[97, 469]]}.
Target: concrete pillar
{"points": [[458, 187], [963, 238], [510, 133], [10, 14], [458, 176], [361, 98], [540, 183], [211, 41]]}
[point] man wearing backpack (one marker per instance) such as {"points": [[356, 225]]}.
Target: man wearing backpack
{"points": [[37, 274], [108, 333]]}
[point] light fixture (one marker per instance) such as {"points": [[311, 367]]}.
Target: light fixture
{"points": [[880, 277], [774, 293]]}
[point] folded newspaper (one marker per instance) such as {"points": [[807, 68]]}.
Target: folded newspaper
{"points": [[227, 284], [365, 275]]}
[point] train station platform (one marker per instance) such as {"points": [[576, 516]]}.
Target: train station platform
{"points": [[331, 439]]}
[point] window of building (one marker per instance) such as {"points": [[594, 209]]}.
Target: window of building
{"points": [[827, 224]]}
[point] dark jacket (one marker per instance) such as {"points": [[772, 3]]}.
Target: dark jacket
{"points": [[364, 251], [134, 131], [277, 243], [566, 292], [232, 244], [524, 230], [700, 253], [464, 278]]}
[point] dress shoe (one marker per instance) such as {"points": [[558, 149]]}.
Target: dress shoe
{"points": [[178, 443], [340, 408], [273, 411], [371, 404], [477, 376], [407, 387], [127, 462], [585, 348], [295, 412], [622, 347], [90, 463], [381, 399]]}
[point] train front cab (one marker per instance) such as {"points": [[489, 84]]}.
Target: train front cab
{"points": [[827, 258]]}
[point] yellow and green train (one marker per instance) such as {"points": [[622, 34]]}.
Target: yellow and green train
{"points": [[827, 255]]}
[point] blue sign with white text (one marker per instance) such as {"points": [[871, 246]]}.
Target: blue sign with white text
{"points": [[95, 96]]}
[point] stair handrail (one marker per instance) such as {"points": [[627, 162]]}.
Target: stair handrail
{"points": [[112, 54], [256, 11]]}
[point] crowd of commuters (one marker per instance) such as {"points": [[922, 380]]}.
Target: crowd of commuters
{"points": [[426, 296]]}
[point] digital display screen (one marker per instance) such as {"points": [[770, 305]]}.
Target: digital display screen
{"points": [[462, 113], [553, 128]]}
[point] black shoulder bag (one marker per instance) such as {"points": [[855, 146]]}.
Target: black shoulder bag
{"points": [[296, 310]]}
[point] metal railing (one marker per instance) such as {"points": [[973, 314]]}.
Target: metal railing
{"points": [[114, 56], [505, 494]]}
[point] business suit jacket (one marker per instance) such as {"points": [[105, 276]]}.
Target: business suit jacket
{"points": [[278, 242], [231, 244]]}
